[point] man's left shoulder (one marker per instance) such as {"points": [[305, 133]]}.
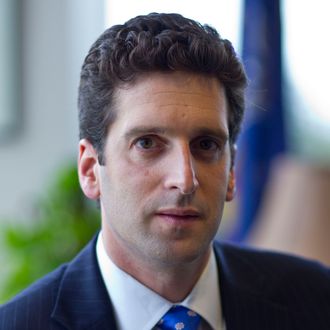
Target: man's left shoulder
{"points": [[266, 286], [276, 267]]}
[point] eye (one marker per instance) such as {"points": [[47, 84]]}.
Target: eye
{"points": [[205, 144], [146, 142], [149, 143], [207, 148]]}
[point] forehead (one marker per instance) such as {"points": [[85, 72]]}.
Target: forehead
{"points": [[174, 99]]}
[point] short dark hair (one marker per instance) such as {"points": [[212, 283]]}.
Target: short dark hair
{"points": [[149, 43]]}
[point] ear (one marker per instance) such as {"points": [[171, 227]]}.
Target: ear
{"points": [[231, 187], [88, 169]]}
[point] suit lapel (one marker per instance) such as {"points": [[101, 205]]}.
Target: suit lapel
{"points": [[82, 300], [244, 301]]}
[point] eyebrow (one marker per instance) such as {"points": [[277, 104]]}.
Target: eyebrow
{"points": [[200, 131], [142, 130], [218, 132]]}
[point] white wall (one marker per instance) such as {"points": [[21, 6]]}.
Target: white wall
{"points": [[56, 35]]}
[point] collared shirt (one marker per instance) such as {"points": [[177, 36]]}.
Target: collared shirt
{"points": [[138, 307]]}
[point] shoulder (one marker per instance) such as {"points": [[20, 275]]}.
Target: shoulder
{"points": [[269, 262], [33, 305], [51, 302], [278, 275], [265, 287]]}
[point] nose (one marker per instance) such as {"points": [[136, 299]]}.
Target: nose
{"points": [[181, 173]]}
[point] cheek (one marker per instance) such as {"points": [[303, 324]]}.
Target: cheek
{"points": [[216, 176], [131, 168], [135, 184]]}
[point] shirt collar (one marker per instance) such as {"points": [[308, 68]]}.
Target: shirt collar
{"points": [[138, 307]]}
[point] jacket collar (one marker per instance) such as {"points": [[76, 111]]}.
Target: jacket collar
{"points": [[82, 300], [244, 298], [83, 303]]}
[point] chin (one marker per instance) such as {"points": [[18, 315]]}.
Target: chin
{"points": [[181, 253]]}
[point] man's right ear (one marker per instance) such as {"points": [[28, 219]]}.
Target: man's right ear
{"points": [[88, 169]]}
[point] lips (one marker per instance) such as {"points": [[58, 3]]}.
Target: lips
{"points": [[179, 214]]}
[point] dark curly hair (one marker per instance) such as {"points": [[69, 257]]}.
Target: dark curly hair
{"points": [[154, 42]]}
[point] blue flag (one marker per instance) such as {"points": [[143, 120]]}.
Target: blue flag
{"points": [[262, 135]]}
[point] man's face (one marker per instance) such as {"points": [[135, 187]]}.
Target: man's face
{"points": [[167, 169]]}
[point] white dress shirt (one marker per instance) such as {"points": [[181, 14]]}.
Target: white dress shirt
{"points": [[138, 307]]}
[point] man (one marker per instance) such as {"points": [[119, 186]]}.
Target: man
{"points": [[160, 106]]}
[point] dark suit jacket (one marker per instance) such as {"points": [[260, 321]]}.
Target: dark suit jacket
{"points": [[259, 290]]}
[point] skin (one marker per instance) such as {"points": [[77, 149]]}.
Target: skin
{"points": [[168, 171]]}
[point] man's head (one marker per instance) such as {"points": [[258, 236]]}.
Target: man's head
{"points": [[161, 101], [154, 43]]}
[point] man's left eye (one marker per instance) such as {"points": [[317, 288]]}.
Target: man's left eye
{"points": [[205, 144]]}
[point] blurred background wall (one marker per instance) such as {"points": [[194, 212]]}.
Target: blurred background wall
{"points": [[43, 44], [283, 160], [48, 40]]}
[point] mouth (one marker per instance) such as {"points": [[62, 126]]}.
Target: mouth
{"points": [[181, 215]]}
